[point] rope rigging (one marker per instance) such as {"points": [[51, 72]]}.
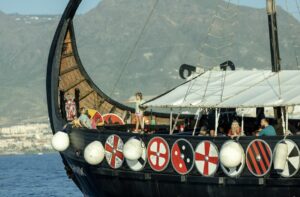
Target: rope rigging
{"points": [[126, 62], [292, 27], [223, 20]]}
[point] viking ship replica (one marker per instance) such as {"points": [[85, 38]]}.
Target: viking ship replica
{"points": [[113, 161]]}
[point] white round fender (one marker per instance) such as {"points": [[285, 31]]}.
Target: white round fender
{"points": [[280, 156], [133, 149], [60, 141], [94, 153], [231, 154]]}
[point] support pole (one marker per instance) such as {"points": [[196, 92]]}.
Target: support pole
{"points": [[286, 119], [174, 125], [171, 118], [273, 34], [242, 123], [216, 121], [283, 122], [197, 120]]}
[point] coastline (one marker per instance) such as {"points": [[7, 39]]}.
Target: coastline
{"points": [[23, 139]]}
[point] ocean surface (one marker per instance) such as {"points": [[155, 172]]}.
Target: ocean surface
{"points": [[35, 175]]}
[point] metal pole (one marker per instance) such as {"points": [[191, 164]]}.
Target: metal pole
{"points": [[171, 117], [216, 121], [283, 123], [242, 124], [286, 119], [176, 120], [195, 126]]}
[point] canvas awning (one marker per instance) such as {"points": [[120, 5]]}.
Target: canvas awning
{"points": [[234, 89]]}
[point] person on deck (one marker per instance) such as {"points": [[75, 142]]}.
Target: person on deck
{"points": [[84, 119], [266, 129], [139, 112], [203, 131], [235, 129]]}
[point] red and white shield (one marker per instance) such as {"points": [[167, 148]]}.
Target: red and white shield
{"points": [[182, 156], [207, 158], [114, 151], [158, 153], [259, 157]]}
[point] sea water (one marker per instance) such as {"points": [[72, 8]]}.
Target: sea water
{"points": [[35, 175]]}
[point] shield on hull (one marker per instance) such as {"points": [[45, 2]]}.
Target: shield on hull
{"points": [[182, 156], [235, 171], [139, 164], [114, 151], [259, 158], [292, 163], [206, 158], [158, 153]]}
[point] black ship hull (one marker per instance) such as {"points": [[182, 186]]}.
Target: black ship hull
{"points": [[101, 180]]}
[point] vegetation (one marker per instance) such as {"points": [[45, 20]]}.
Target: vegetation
{"points": [[198, 32]]}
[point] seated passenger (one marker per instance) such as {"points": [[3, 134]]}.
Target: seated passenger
{"points": [[221, 131], [267, 130], [84, 119], [203, 131], [76, 123], [235, 129]]}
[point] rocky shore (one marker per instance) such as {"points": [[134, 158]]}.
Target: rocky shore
{"points": [[27, 138]]}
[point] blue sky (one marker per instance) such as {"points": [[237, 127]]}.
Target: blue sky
{"points": [[35, 7]]}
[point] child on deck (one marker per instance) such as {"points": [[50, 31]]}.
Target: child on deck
{"points": [[139, 112]]}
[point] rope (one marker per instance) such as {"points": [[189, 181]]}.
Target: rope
{"points": [[292, 25], [264, 79], [298, 6], [222, 85], [206, 86], [228, 41], [279, 85], [134, 47]]}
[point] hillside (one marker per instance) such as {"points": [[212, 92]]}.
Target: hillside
{"points": [[198, 32]]}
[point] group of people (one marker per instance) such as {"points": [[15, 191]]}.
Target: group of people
{"points": [[85, 120], [235, 130]]}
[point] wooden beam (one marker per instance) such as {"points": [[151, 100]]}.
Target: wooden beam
{"points": [[74, 85], [65, 55], [113, 109], [86, 95], [69, 70]]}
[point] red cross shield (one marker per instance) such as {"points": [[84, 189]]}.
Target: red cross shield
{"points": [[206, 158], [114, 151], [158, 153]]}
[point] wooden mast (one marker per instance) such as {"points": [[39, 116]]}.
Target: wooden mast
{"points": [[275, 54], [273, 33]]}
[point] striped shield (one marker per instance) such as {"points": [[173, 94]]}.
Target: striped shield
{"points": [[259, 157]]}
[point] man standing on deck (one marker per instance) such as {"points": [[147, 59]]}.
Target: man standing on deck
{"points": [[267, 130]]}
